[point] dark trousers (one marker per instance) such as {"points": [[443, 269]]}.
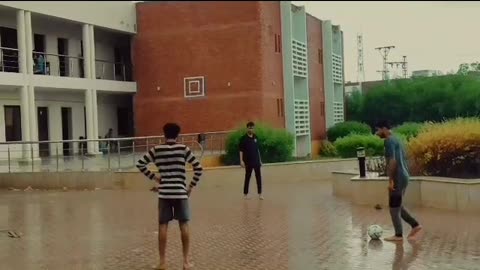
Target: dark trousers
{"points": [[248, 174], [398, 211]]}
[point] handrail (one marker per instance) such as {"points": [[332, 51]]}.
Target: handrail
{"points": [[110, 154], [111, 139], [110, 62], [8, 48], [62, 55]]}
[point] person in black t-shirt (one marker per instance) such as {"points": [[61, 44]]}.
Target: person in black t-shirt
{"points": [[250, 159]]}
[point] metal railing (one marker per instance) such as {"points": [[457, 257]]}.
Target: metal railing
{"points": [[113, 154], [9, 60], [58, 65], [106, 70], [64, 65]]}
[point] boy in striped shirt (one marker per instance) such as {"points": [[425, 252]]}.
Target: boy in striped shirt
{"points": [[170, 159]]}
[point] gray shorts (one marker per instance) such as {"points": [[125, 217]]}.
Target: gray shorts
{"points": [[169, 209]]}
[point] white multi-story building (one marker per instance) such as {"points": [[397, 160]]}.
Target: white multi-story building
{"points": [[65, 72]]}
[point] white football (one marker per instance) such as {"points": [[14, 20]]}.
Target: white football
{"points": [[375, 232]]}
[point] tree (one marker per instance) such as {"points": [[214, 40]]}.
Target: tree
{"points": [[465, 68]]}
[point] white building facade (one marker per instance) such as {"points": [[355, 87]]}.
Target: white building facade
{"points": [[65, 73]]}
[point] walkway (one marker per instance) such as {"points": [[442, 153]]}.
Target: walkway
{"points": [[300, 226]]}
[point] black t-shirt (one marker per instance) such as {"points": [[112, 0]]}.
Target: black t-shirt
{"points": [[249, 147]]}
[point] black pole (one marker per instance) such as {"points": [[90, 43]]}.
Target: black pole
{"points": [[361, 161]]}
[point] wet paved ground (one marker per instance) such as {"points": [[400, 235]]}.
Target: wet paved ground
{"points": [[300, 226]]}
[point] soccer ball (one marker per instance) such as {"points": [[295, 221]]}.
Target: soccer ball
{"points": [[375, 232]]}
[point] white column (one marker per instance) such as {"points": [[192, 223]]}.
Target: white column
{"points": [[22, 60], [32, 108], [95, 118], [29, 41], [89, 120], [25, 116], [92, 52], [94, 91], [22, 64], [33, 113], [86, 50]]}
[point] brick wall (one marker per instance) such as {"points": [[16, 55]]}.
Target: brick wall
{"points": [[226, 42]]}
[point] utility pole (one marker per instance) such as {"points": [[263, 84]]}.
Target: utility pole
{"points": [[360, 66], [403, 64], [384, 53]]}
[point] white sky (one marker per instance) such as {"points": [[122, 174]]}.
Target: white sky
{"points": [[433, 35]]}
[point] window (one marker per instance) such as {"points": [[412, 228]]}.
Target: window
{"points": [[123, 122], [13, 124], [282, 113], [278, 43], [278, 107], [322, 108], [320, 56]]}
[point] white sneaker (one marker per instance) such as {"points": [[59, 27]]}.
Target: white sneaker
{"points": [[246, 197], [260, 197]]}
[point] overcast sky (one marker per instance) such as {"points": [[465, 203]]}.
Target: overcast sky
{"points": [[433, 35]]}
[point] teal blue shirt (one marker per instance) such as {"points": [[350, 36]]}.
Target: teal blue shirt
{"points": [[394, 149]]}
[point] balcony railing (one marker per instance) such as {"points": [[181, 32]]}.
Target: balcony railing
{"points": [[64, 65], [57, 65], [106, 70], [8, 60], [116, 154]]}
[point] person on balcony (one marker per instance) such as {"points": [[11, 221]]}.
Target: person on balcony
{"points": [[40, 64]]}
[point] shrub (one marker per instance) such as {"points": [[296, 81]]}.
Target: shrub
{"points": [[347, 146], [276, 145], [409, 130], [327, 149], [346, 128], [448, 149]]}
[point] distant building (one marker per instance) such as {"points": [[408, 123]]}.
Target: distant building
{"points": [[426, 73], [351, 87]]}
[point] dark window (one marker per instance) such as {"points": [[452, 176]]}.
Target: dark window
{"points": [[278, 43], [322, 108], [278, 107], [320, 56], [279, 38], [282, 113], [13, 123]]}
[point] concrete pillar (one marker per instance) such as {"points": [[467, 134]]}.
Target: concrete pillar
{"points": [[95, 119], [91, 33], [86, 50], [89, 120], [22, 65], [22, 60], [25, 116], [92, 52], [29, 41]]}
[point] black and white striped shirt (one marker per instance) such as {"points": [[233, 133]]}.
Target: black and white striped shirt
{"points": [[170, 159]]}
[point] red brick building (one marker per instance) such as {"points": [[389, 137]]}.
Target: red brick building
{"points": [[212, 66]]}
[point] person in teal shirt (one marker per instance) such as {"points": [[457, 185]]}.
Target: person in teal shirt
{"points": [[398, 174]]}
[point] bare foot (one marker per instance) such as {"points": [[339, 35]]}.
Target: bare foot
{"points": [[246, 197], [393, 238], [187, 265], [160, 266], [415, 232]]}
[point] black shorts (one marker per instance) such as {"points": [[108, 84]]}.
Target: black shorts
{"points": [[169, 209]]}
